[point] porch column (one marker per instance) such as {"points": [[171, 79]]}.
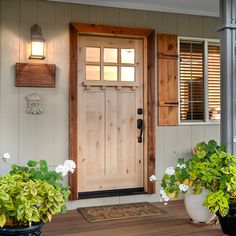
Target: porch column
{"points": [[228, 96]]}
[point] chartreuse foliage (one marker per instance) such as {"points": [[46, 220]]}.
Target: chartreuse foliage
{"points": [[31, 194], [195, 173], [221, 182]]}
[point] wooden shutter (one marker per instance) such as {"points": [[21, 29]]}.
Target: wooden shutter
{"points": [[214, 82], [167, 80]]}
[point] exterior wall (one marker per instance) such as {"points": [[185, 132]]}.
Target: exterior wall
{"points": [[45, 136]]}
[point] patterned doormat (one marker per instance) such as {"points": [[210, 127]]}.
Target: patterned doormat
{"points": [[118, 212]]}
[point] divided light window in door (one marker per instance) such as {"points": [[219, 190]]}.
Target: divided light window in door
{"points": [[110, 64]]}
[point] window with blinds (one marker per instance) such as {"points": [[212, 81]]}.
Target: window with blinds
{"points": [[199, 99], [191, 81]]}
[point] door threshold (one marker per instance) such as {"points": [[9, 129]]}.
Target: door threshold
{"points": [[111, 193]]}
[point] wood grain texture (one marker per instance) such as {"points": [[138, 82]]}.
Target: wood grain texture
{"points": [[151, 107], [35, 75], [167, 80], [147, 34], [111, 30], [109, 154], [73, 111], [173, 223]]}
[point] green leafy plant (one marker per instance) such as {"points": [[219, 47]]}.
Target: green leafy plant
{"points": [[221, 182], [215, 170], [192, 174], [32, 193]]}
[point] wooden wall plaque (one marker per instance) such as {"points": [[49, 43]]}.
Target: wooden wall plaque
{"points": [[35, 75]]}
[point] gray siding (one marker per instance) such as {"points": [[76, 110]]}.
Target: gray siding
{"points": [[45, 136]]}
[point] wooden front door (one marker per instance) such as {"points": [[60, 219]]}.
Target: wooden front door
{"points": [[110, 103]]}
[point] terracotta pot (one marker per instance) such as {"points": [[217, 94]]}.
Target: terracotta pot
{"points": [[195, 209], [34, 230]]}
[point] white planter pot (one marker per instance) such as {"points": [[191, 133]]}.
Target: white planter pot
{"points": [[195, 209]]}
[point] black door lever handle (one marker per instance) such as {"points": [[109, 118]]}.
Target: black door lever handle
{"points": [[140, 126]]}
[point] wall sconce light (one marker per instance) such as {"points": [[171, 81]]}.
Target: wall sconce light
{"points": [[37, 43]]}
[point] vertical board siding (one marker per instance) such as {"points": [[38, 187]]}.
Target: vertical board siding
{"points": [[28, 124], [183, 25], [45, 136], [9, 95], [111, 15], [170, 23], [156, 21], [46, 19], [196, 26], [61, 98]]}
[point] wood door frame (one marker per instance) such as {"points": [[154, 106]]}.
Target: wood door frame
{"points": [[149, 69]]}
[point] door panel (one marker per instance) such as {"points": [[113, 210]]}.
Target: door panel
{"points": [[109, 154]]}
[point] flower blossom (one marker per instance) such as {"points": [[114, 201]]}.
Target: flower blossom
{"points": [[153, 178], [68, 166], [164, 197], [62, 169], [183, 187], [181, 166], [6, 156], [170, 171]]}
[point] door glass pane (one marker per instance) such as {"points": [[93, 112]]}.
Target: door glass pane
{"points": [[110, 73], [92, 54], [92, 72], [127, 55], [127, 73], [110, 55]]}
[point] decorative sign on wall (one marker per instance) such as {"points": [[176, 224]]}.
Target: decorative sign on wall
{"points": [[35, 75], [34, 104]]}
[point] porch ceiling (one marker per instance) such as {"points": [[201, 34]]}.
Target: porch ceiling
{"points": [[199, 7]]}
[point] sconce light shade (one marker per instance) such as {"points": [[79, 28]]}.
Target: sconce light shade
{"points": [[37, 43]]}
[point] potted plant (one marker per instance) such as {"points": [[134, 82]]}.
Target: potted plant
{"points": [[30, 195], [185, 179], [219, 174]]}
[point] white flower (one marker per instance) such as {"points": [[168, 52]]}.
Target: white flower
{"points": [[170, 171], [62, 169], [6, 156], [163, 196], [153, 178], [70, 165], [183, 187], [181, 166]]}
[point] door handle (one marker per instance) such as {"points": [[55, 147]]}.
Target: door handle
{"points": [[140, 126]]}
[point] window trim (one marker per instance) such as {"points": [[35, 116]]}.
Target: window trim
{"points": [[206, 121]]}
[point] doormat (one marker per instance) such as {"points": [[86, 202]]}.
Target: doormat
{"points": [[119, 212]]}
